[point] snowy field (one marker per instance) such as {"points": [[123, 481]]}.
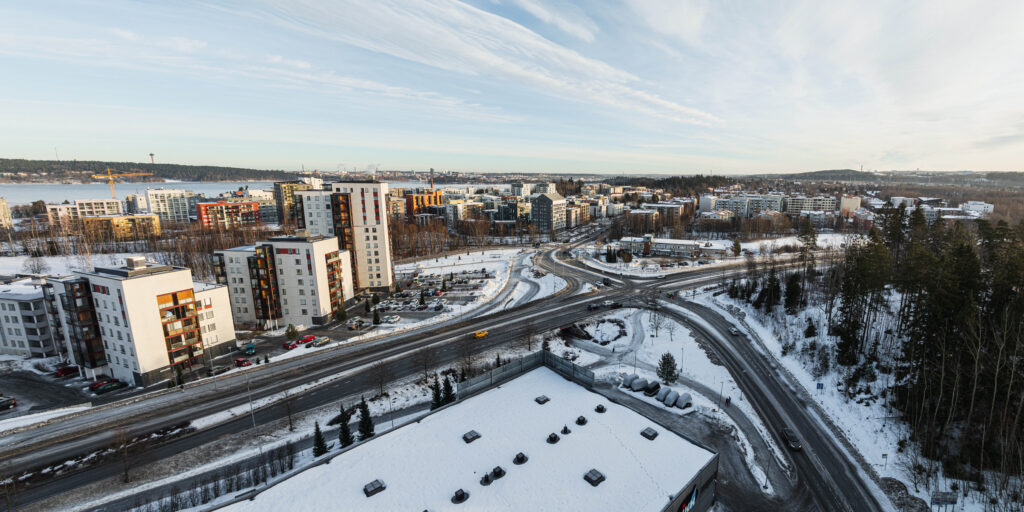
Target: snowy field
{"points": [[39, 417], [534, 284], [63, 265], [423, 463]]}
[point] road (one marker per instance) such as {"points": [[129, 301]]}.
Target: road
{"points": [[830, 480]]}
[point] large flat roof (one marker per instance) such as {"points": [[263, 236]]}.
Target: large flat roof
{"points": [[424, 463]]}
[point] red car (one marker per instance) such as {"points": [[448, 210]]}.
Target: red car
{"points": [[241, 361], [66, 371], [94, 385], [288, 345], [306, 339]]}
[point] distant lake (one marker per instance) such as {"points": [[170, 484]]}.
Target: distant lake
{"points": [[26, 193]]}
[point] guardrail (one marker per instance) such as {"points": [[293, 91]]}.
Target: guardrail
{"points": [[522, 365]]}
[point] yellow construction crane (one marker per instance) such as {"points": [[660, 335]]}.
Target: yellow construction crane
{"points": [[110, 178]]}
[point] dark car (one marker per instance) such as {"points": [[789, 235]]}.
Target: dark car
{"points": [[591, 307], [110, 386], [7, 402], [100, 382], [792, 441], [66, 371], [652, 389], [616, 305], [216, 370]]}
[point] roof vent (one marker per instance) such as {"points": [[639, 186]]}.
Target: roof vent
{"points": [[470, 436], [497, 472], [552, 438], [542, 399], [649, 433], [460, 496], [486, 479], [600, 408], [373, 488], [593, 477], [521, 458], [135, 262], [565, 430], [581, 421]]}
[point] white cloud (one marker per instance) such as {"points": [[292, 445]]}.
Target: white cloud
{"points": [[566, 17], [298, 64]]}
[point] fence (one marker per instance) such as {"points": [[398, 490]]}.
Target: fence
{"points": [[522, 365]]}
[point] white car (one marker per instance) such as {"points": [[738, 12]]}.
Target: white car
{"points": [[734, 331]]}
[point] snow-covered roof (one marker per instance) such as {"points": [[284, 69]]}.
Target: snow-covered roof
{"points": [[424, 463], [200, 286], [21, 290]]}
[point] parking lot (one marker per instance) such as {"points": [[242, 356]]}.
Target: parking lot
{"points": [[36, 393]]}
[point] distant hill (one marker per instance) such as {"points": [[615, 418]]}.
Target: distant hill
{"points": [[834, 174], [18, 170]]}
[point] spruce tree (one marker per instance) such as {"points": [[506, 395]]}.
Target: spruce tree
{"points": [[545, 346], [376, 317], [366, 303], [376, 299], [365, 421], [736, 247], [319, 445], [667, 371], [345, 432], [811, 330], [423, 298], [435, 390], [792, 300], [291, 332], [447, 392]]}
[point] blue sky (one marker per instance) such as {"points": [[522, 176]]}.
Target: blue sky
{"points": [[638, 86]]}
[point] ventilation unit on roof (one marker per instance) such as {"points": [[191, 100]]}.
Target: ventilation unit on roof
{"points": [[649, 433], [542, 399], [600, 408], [593, 477], [373, 488], [470, 436], [486, 479], [497, 472], [552, 438], [581, 421], [521, 458], [460, 496], [565, 430]]}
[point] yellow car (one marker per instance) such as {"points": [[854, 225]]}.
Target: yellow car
{"points": [[480, 334]]}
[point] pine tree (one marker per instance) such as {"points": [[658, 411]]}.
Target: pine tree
{"points": [[341, 315], [447, 392], [792, 300], [266, 359], [545, 346], [736, 247], [811, 330], [319, 445], [376, 299], [667, 371], [345, 432], [291, 332], [376, 317], [435, 390], [497, 360], [423, 298], [365, 421]]}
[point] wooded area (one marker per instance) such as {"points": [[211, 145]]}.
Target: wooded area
{"points": [[55, 171]]}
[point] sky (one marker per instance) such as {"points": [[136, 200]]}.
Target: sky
{"points": [[619, 86]]}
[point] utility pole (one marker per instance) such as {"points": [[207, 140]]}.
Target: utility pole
{"points": [[252, 414]]}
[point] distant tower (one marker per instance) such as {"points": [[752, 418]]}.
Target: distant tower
{"points": [[431, 177], [152, 158]]}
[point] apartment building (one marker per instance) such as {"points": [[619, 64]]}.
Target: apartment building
{"points": [[264, 198], [143, 322], [797, 204], [977, 208], [299, 280], [416, 202], [172, 205], [547, 212], [228, 214], [25, 321], [6, 220], [58, 213], [122, 227], [356, 213], [520, 189], [284, 195], [544, 188], [848, 204], [462, 210]]}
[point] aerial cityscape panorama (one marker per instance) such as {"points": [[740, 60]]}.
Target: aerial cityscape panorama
{"points": [[487, 255]]}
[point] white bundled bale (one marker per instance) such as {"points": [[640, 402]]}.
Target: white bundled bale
{"points": [[639, 384], [684, 401], [662, 393], [671, 397], [628, 380]]}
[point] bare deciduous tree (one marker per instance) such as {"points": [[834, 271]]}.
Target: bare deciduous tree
{"points": [[425, 359], [381, 375]]}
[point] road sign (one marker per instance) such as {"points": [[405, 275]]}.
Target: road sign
{"points": [[944, 498]]}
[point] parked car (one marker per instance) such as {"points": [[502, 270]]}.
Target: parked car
{"points": [[734, 331], [652, 388], [7, 402], [67, 371], [241, 362], [480, 334], [216, 370], [792, 441], [439, 307], [616, 305], [98, 383], [250, 349], [110, 386], [288, 345], [321, 341], [305, 339], [591, 307]]}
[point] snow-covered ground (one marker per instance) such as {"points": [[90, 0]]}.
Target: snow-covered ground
{"points": [[423, 463], [534, 284], [62, 265], [866, 423], [30, 419]]}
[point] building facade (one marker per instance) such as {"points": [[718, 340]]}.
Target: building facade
{"points": [[6, 220], [228, 214], [299, 280], [81, 208], [172, 205], [284, 195], [25, 328], [122, 227], [143, 322], [547, 212], [416, 202], [797, 204], [356, 213]]}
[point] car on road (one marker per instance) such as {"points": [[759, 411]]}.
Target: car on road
{"points": [[216, 370], [321, 341], [98, 383], [288, 345], [792, 441], [250, 349], [241, 361], [606, 281], [734, 331], [305, 339], [391, 319], [67, 371], [110, 386], [607, 303], [616, 305], [7, 402], [591, 307], [480, 334]]}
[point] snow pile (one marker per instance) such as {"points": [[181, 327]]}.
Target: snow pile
{"points": [[31, 419], [424, 463]]}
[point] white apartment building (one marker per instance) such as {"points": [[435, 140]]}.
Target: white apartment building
{"points": [[356, 213], [977, 207], [83, 208], [797, 204], [24, 320], [143, 322], [6, 221], [299, 280], [172, 205]]}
